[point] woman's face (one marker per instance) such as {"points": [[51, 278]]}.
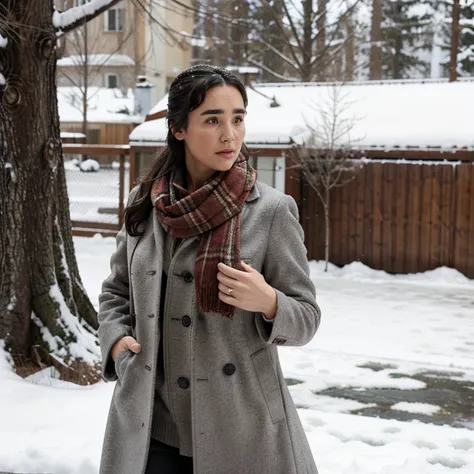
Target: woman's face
{"points": [[215, 131]]}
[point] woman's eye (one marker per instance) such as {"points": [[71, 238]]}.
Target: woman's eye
{"points": [[211, 120], [239, 119]]}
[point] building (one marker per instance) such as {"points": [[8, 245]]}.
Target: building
{"points": [[168, 45], [124, 43], [410, 207]]}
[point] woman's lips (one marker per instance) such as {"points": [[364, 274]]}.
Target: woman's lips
{"points": [[226, 154]]}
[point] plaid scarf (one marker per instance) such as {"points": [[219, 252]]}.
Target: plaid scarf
{"points": [[212, 211]]}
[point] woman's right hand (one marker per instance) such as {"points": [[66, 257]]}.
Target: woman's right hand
{"points": [[123, 344]]}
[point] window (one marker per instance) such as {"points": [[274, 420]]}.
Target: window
{"points": [[114, 19], [111, 80]]}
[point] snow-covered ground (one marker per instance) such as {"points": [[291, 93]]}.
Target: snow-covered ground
{"points": [[378, 332]]}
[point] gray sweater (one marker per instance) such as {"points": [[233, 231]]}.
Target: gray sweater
{"points": [[171, 422]]}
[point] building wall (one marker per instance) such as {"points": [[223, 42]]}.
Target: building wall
{"points": [[73, 76], [168, 53], [130, 42]]}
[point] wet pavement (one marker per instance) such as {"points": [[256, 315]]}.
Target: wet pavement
{"points": [[450, 390]]}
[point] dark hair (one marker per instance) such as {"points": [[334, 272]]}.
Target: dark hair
{"points": [[187, 92]]}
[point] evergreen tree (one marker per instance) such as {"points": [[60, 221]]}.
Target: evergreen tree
{"points": [[406, 38], [465, 60], [466, 39]]}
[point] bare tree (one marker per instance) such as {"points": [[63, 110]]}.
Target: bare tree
{"points": [[312, 36], [328, 159], [289, 40]]}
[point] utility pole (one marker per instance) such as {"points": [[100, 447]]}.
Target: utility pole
{"points": [[453, 71]]}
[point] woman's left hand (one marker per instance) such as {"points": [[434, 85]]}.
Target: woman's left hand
{"points": [[246, 290]]}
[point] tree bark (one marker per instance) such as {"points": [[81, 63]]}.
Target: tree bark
{"points": [[453, 66], [321, 38], [85, 91], [376, 38], [42, 299], [326, 223], [349, 48]]}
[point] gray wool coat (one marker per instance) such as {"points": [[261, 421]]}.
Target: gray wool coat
{"points": [[244, 422]]}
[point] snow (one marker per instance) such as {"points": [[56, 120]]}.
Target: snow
{"points": [[3, 42], [416, 407], [73, 15], [408, 324], [89, 165], [72, 135], [385, 114], [243, 69], [97, 60], [2, 80], [104, 105]]}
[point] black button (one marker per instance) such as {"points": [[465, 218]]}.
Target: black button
{"points": [[188, 277], [183, 382], [186, 320], [229, 369], [151, 316]]}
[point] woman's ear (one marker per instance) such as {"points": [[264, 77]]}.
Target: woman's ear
{"points": [[178, 134]]}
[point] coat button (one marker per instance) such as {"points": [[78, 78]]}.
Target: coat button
{"points": [[186, 320], [188, 278], [229, 369], [183, 382]]}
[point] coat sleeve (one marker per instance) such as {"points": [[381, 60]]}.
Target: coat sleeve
{"points": [[286, 269], [114, 316]]}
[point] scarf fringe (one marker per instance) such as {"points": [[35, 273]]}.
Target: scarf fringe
{"points": [[209, 302]]}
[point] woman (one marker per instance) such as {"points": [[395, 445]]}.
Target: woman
{"points": [[209, 277]]}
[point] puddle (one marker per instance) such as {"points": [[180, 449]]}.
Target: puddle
{"points": [[454, 397], [377, 366], [291, 382]]}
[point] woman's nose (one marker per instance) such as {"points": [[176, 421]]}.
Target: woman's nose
{"points": [[227, 134]]}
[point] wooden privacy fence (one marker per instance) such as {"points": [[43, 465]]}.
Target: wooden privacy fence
{"points": [[401, 217]]}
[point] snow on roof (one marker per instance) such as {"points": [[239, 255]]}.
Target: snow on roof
{"points": [[243, 69], [104, 105], [72, 135], [263, 123], [384, 115], [97, 60]]}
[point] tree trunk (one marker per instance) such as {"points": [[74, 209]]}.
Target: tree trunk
{"points": [[349, 49], [85, 91], [321, 40], [326, 223], [376, 39], [307, 40], [42, 300], [453, 66]]}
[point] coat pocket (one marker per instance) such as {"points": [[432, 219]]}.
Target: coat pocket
{"points": [[121, 363], [269, 384]]}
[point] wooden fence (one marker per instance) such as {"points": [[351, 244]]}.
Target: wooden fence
{"points": [[400, 217], [86, 227]]}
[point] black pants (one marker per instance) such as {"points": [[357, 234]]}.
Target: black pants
{"points": [[164, 459]]}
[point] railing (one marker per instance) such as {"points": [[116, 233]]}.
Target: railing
{"points": [[97, 199]]}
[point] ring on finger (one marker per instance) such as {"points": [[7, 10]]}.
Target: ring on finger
{"points": [[229, 291]]}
